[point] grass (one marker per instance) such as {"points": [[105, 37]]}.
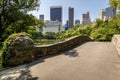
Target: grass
{"points": [[45, 41]]}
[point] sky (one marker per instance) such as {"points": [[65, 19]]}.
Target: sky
{"points": [[80, 7]]}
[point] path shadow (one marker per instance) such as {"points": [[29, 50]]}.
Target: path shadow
{"points": [[17, 73], [20, 72], [26, 75], [71, 53]]}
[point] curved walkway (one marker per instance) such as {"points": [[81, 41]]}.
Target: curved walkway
{"points": [[90, 61]]}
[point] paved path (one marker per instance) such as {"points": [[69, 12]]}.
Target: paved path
{"points": [[90, 61]]}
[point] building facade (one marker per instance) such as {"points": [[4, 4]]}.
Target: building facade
{"points": [[107, 13], [110, 12], [56, 13], [70, 17], [41, 17], [85, 20], [77, 22], [101, 14], [52, 26]]}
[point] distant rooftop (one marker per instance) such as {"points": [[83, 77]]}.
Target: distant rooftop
{"points": [[56, 7]]}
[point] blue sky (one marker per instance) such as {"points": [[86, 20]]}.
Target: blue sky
{"points": [[80, 7]]}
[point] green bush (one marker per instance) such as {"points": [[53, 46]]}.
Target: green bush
{"points": [[104, 30], [50, 35], [7, 43], [34, 33]]}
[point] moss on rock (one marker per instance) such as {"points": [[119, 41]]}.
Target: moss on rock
{"points": [[18, 50]]}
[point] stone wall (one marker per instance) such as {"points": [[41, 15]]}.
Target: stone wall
{"points": [[116, 42], [60, 46]]}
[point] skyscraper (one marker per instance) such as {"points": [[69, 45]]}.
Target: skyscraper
{"points": [[107, 13], [41, 17], [71, 17], [101, 14], [86, 19], [77, 22], [110, 12], [56, 13]]}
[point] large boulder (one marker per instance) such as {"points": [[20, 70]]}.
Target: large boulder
{"points": [[20, 50]]}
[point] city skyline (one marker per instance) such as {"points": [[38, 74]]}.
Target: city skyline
{"points": [[80, 7]]}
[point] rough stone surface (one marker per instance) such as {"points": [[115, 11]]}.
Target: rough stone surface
{"points": [[116, 42], [21, 50], [61, 46]]}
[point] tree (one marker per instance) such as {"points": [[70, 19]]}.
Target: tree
{"points": [[14, 12], [50, 35], [115, 4]]}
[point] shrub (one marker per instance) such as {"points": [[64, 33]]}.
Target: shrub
{"points": [[50, 35]]}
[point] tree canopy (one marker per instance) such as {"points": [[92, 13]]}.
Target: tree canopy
{"points": [[99, 30], [115, 4], [13, 15]]}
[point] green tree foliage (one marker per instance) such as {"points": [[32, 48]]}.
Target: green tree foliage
{"points": [[98, 31], [115, 3], [50, 35], [14, 17], [35, 34], [75, 31], [106, 29], [27, 23]]}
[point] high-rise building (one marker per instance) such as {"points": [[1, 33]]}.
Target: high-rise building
{"points": [[52, 26], [67, 23], [110, 12], [86, 19], [107, 13], [77, 22], [70, 17], [56, 13], [101, 14], [41, 17]]}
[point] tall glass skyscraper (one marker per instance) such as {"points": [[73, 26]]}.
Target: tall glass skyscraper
{"points": [[56, 13], [70, 17]]}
